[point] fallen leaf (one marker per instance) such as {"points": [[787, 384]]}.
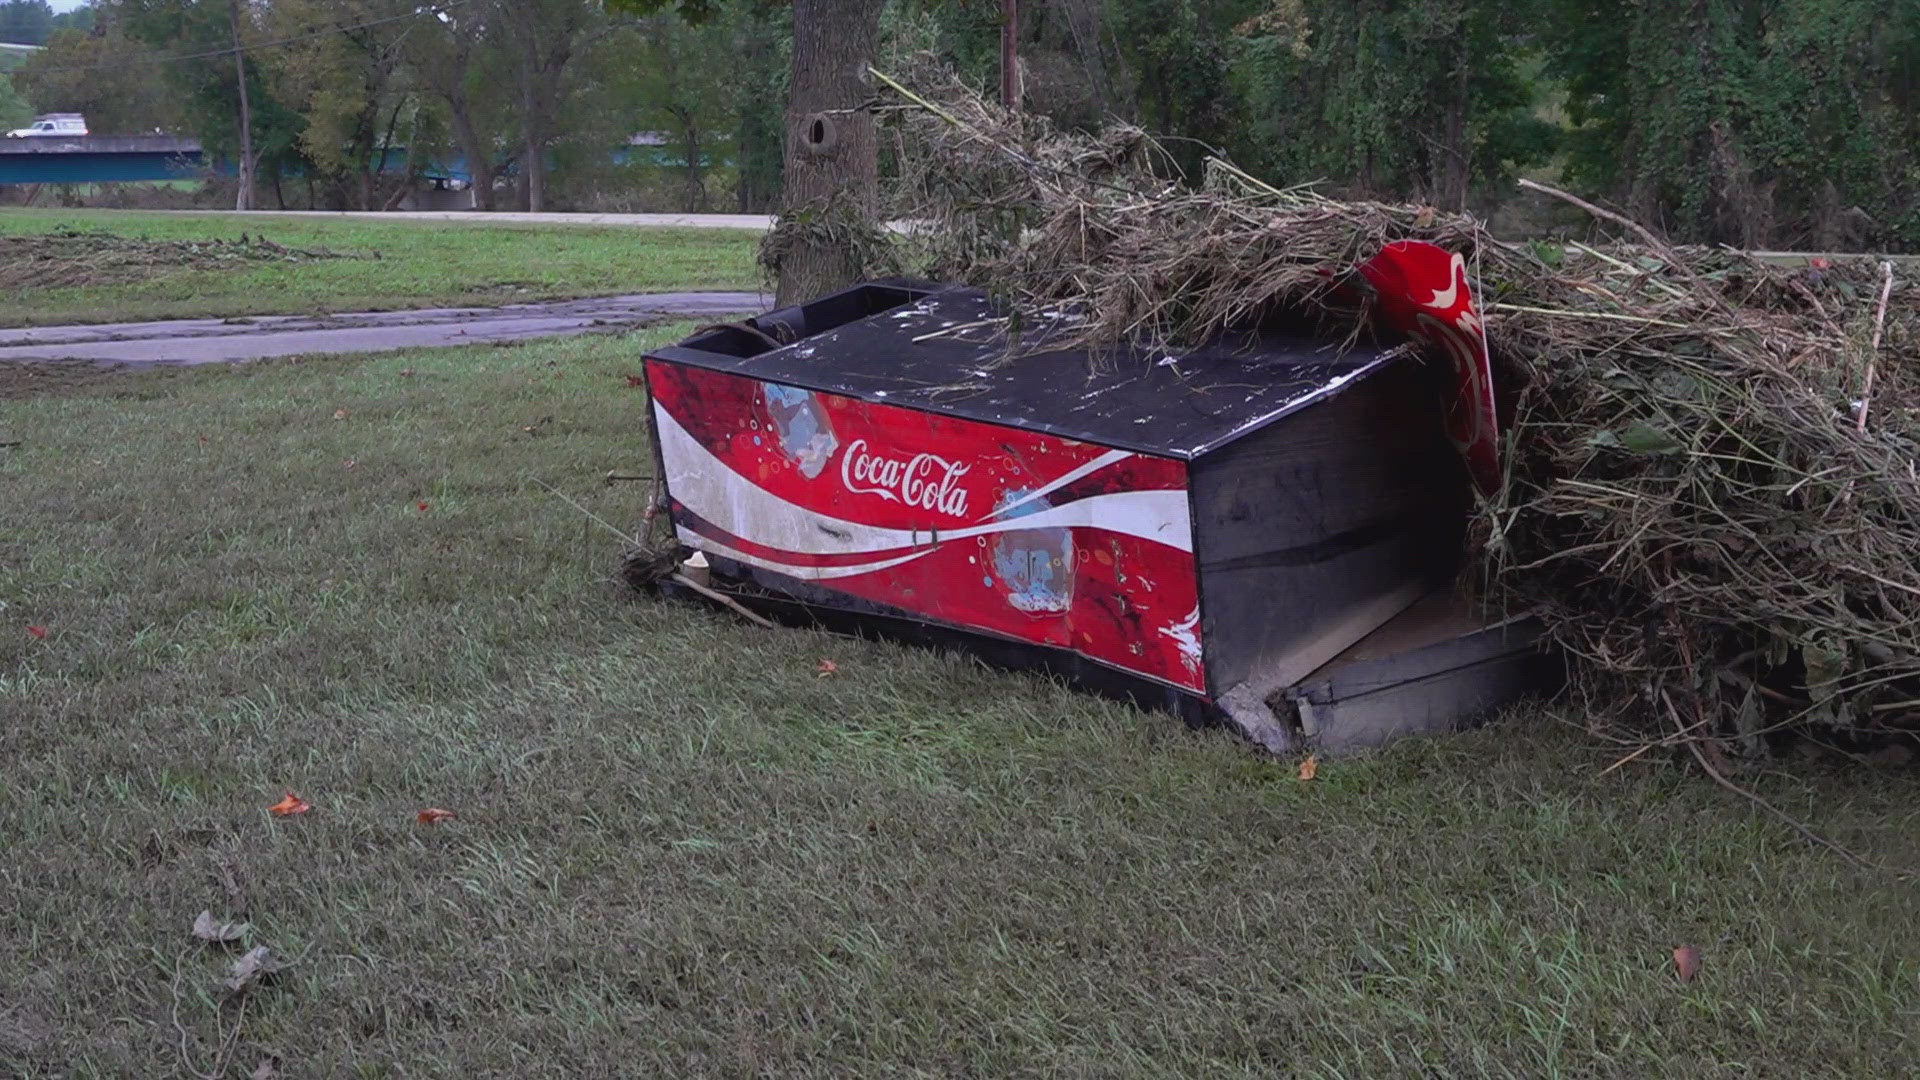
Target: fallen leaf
{"points": [[1423, 219], [1686, 962], [268, 1069], [827, 667], [1310, 768], [257, 964], [203, 440], [636, 380], [423, 505], [39, 632], [433, 815], [351, 462], [406, 373], [339, 414], [206, 929], [289, 806]]}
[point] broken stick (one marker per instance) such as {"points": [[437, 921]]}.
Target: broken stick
{"points": [[1873, 351]]}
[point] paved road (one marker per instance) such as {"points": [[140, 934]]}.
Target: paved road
{"points": [[213, 341], [751, 222]]}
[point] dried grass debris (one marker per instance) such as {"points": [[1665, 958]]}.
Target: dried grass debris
{"points": [[1696, 497]]}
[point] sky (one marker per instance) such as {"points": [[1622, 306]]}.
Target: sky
{"points": [[66, 5]]}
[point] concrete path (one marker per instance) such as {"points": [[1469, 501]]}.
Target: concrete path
{"points": [[750, 222], [213, 341]]}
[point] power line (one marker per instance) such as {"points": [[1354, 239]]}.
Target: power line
{"points": [[229, 50]]}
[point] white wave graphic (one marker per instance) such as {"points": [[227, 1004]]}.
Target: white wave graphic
{"points": [[712, 490]]}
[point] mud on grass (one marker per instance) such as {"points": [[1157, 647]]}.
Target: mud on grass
{"points": [[681, 852]]}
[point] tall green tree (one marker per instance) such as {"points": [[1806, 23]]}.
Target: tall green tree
{"points": [[14, 108], [205, 81], [540, 41], [1753, 122], [1408, 98], [112, 78], [454, 59], [830, 172], [26, 22], [342, 68]]}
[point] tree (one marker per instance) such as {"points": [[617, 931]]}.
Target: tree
{"points": [[765, 41], [14, 109], [829, 194], [540, 39], [664, 75], [80, 18], [350, 86], [244, 198], [1748, 122], [221, 97], [26, 22], [453, 58], [1407, 98], [831, 173], [108, 76]]}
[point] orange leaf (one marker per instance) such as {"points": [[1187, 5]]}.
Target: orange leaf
{"points": [[636, 380], [289, 806], [39, 632], [433, 815], [827, 667], [1310, 768], [1686, 962]]}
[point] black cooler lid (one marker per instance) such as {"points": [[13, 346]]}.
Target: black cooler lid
{"points": [[930, 350]]}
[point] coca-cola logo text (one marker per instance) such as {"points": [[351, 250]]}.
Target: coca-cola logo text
{"points": [[926, 481]]}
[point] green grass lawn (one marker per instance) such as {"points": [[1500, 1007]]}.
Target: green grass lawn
{"points": [[681, 852], [419, 264]]}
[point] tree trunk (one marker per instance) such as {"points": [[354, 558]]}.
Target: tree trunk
{"points": [[695, 201], [535, 167], [1453, 172], [243, 200], [1010, 55], [831, 158], [479, 161]]}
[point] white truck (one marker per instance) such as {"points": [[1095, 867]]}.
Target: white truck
{"points": [[68, 124]]}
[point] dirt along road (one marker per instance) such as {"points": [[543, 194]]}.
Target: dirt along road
{"points": [[186, 342]]}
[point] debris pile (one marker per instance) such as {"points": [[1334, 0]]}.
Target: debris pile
{"points": [[1711, 458], [69, 257]]}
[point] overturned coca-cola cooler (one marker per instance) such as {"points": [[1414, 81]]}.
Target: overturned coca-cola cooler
{"points": [[1266, 528]]}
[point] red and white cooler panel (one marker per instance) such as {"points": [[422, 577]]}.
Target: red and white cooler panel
{"points": [[1057, 542]]}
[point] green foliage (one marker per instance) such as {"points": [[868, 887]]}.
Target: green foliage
{"points": [[1757, 122], [1180, 51], [1394, 98], [14, 109], [1762, 124], [26, 22], [110, 77]]}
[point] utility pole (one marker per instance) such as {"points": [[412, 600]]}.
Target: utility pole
{"points": [[1010, 54], [244, 200]]}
